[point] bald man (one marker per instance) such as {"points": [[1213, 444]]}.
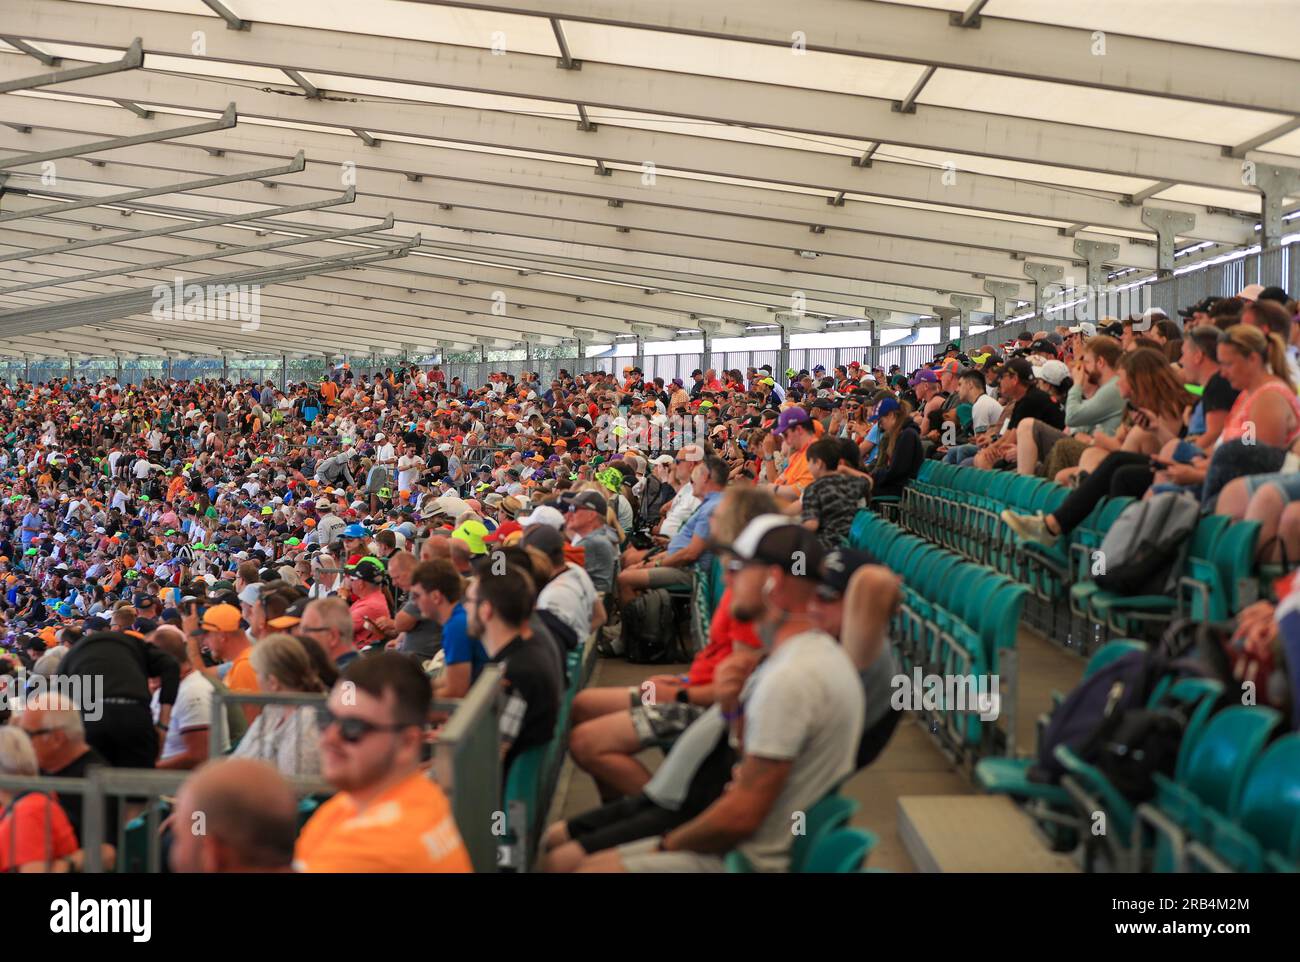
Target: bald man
{"points": [[234, 815]]}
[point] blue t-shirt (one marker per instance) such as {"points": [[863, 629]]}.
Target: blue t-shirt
{"points": [[697, 525], [459, 647]]}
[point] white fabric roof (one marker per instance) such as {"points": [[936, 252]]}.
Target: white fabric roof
{"points": [[611, 167]]}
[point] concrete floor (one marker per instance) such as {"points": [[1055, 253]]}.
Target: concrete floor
{"points": [[912, 764]]}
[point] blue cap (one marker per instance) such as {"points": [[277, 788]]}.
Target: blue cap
{"points": [[355, 530], [886, 406]]}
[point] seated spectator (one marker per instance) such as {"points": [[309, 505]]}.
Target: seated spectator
{"points": [[1016, 387], [329, 622], [900, 454], [688, 550], [588, 528], [437, 588], [249, 820], [370, 608], [58, 737], [284, 735], [35, 834], [1093, 405], [832, 500], [794, 431], [611, 725], [187, 741], [854, 603], [388, 815], [569, 595], [799, 717], [499, 607]]}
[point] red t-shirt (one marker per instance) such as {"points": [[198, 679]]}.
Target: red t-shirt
{"points": [[24, 829], [724, 632]]}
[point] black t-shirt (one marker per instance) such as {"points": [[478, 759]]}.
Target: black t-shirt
{"points": [[72, 801], [533, 687], [1037, 404], [1219, 395]]}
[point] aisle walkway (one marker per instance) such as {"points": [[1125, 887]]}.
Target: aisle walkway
{"points": [[911, 765]]}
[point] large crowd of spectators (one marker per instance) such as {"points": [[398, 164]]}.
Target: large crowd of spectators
{"points": [[375, 541]]}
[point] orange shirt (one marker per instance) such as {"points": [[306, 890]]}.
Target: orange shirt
{"points": [[329, 392], [797, 473], [242, 678], [407, 829]]}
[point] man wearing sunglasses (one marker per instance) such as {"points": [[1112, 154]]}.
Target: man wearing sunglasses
{"points": [[388, 816]]}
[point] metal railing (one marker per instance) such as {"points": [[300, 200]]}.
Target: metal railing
{"points": [[467, 764]]}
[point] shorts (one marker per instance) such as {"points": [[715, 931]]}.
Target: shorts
{"points": [[642, 856], [1288, 484], [657, 723], [1045, 436], [626, 820], [669, 577]]}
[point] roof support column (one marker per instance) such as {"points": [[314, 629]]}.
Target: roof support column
{"points": [[169, 367], [965, 304], [1167, 224], [1274, 183], [783, 353], [584, 338], [284, 370], [1043, 276], [117, 367]]}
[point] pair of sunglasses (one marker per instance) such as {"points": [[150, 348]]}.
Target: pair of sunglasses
{"points": [[352, 730]]}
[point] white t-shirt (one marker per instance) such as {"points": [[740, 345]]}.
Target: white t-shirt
{"points": [[193, 709], [683, 506], [570, 596], [804, 704], [984, 413]]}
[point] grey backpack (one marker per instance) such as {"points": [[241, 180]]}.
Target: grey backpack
{"points": [[1144, 550]]}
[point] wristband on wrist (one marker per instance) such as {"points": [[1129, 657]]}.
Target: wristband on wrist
{"points": [[731, 716]]}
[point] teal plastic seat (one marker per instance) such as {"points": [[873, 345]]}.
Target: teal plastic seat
{"points": [[831, 812], [842, 851]]}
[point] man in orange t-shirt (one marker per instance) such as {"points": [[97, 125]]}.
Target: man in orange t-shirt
{"points": [[796, 432], [388, 816]]}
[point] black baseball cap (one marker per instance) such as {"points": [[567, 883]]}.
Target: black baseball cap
{"points": [[774, 539], [838, 567], [1020, 368], [1203, 306]]}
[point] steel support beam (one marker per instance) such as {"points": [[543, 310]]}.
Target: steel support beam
{"points": [[346, 198], [1275, 184], [133, 58], [227, 120], [1001, 292], [1168, 224], [1098, 255], [1043, 277], [946, 315], [293, 167], [965, 305]]}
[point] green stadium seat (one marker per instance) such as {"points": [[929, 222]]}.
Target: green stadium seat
{"points": [[840, 852]]}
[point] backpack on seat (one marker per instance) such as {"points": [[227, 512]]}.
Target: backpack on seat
{"points": [[1145, 547], [650, 628]]}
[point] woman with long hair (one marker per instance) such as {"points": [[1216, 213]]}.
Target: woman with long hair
{"points": [[901, 454], [285, 735]]}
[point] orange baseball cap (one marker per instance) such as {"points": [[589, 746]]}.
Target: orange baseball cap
{"points": [[221, 618]]}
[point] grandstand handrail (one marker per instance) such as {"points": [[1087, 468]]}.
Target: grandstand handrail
{"points": [[467, 764], [222, 698]]}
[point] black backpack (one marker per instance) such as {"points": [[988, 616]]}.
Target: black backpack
{"points": [[650, 628], [1090, 716], [1130, 747]]}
